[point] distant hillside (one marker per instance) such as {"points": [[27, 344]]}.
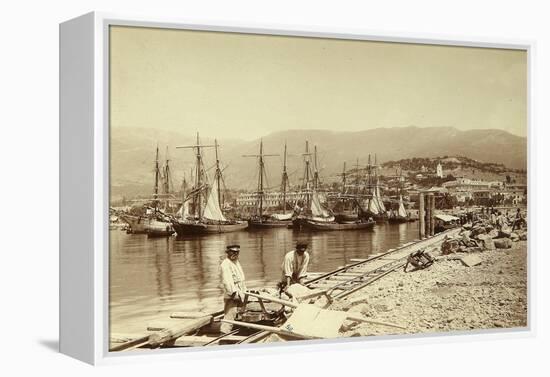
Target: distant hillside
{"points": [[132, 152], [447, 163]]}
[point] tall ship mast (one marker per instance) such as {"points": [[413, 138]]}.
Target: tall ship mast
{"points": [[207, 216], [347, 207], [312, 209], [154, 222], [400, 214], [375, 206], [263, 218]]}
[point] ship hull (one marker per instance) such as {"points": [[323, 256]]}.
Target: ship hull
{"points": [[398, 220], [151, 227], [257, 224], [185, 228], [137, 224], [302, 221], [313, 225]]}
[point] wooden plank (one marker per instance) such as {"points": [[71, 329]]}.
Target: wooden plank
{"points": [[255, 337], [131, 344], [158, 338], [200, 341], [187, 315], [123, 338], [340, 278]]}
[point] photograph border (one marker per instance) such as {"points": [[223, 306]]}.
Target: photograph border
{"points": [[101, 127]]}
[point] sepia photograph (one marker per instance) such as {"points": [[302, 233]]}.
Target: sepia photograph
{"points": [[270, 188]]}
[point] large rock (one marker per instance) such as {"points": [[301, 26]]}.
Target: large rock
{"points": [[471, 260], [477, 230], [489, 243], [493, 233], [503, 243], [449, 246]]}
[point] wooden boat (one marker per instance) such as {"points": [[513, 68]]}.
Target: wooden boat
{"points": [[156, 228], [399, 216], [263, 218], [207, 218], [324, 226], [153, 221], [313, 209], [268, 222], [375, 208], [202, 227]]}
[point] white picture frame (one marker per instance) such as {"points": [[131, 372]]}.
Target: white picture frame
{"points": [[84, 179]]}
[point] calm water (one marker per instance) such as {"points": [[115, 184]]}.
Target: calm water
{"points": [[150, 278]]}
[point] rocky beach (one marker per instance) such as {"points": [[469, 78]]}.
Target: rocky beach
{"points": [[447, 296]]}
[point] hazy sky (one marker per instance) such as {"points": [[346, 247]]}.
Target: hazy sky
{"points": [[245, 86]]}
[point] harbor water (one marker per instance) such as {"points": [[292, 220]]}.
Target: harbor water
{"points": [[151, 277]]}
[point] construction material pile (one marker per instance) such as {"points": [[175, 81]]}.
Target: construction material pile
{"points": [[486, 234]]}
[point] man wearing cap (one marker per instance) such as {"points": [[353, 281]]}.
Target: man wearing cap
{"points": [[295, 265], [233, 285]]}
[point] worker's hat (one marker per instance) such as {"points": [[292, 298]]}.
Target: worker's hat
{"points": [[234, 247], [301, 245]]}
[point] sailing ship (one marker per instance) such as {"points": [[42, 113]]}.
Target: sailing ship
{"points": [[375, 208], [153, 222], [350, 216], [346, 207], [206, 215], [263, 218], [310, 208], [400, 215]]}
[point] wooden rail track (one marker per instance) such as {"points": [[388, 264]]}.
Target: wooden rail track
{"points": [[350, 278]]}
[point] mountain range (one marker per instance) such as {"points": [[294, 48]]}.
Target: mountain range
{"points": [[132, 152]]}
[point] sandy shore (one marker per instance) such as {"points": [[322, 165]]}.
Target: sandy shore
{"points": [[447, 296]]}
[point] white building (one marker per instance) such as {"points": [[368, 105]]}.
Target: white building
{"points": [[439, 170]]}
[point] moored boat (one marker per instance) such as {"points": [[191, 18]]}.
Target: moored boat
{"points": [[355, 225], [207, 218], [264, 218], [202, 227]]}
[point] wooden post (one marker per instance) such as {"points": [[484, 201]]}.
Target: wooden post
{"points": [[429, 215], [421, 214], [432, 210]]}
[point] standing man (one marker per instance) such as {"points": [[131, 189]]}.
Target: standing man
{"points": [[294, 266], [234, 286]]}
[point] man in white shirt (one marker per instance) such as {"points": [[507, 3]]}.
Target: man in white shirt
{"points": [[295, 265], [234, 286]]}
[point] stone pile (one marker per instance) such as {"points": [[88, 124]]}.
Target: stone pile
{"points": [[481, 236]]}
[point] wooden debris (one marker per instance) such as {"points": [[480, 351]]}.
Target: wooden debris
{"points": [[271, 329], [346, 315]]}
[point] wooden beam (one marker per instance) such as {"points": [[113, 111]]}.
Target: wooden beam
{"points": [[131, 344], [362, 319], [187, 315], [200, 341], [164, 336]]}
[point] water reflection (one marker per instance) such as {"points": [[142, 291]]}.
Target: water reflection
{"points": [[149, 278]]}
